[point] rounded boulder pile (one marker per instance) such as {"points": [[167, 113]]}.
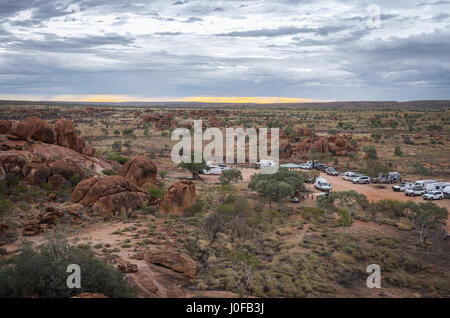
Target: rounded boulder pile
{"points": [[141, 171], [111, 194]]}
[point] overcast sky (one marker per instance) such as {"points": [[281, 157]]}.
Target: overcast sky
{"points": [[152, 50]]}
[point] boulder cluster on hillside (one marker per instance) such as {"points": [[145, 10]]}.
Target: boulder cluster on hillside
{"points": [[338, 145], [43, 152]]}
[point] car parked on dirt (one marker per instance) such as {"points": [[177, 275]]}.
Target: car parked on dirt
{"points": [[433, 195], [213, 170], [322, 185], [391, 177], [295, 200], [320, 167], [348, 175], [402, 187], [415, 191], [331, 171], [356, 176], [361, 180], [306, 166]]}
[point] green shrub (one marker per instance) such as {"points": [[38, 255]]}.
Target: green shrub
{"points": [[5, 206], [42, 272], [117, 157], [156, 192]]}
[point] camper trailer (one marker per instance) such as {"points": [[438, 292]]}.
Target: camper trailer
{"points": [[423, 183], [447, 192], [430, 187]]}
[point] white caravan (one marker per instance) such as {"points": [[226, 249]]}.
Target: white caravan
{"points": [[423, 183]]}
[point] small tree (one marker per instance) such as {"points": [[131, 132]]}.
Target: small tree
{"points": [[398, 151], [274, 191], [194, 168], [214, 224], [278, 186], [229, 176], [428, 216], [373, 168]]}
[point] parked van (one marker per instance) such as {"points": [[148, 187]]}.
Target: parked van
{"points": [[322, 185], [422, 183]]}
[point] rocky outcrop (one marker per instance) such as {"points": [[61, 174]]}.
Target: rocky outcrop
{"points": [[67, 134], [62, 133], [176, 261], [5, 126], [45, 220], [179, 197], [126, 267], [111, 194], [336, 145], [141, 171], [58, 173], [34, 128], [41, 162], [161, 122]]}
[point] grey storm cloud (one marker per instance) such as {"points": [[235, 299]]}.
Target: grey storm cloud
{"points": [[324, 49], [282, 31]]}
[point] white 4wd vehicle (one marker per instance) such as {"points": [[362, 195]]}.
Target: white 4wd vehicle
{"points": [[213, 170], [361, 180], [402, 187], [416, 191], [434, 195]]}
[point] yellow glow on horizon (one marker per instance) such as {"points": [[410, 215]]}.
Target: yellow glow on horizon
{"points": [[104, 98]]}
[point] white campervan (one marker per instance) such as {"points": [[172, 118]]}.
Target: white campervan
{"points": [[322, 185]]}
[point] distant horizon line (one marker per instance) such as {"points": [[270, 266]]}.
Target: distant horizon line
{"points": [[101, 98], [126, 99]]}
